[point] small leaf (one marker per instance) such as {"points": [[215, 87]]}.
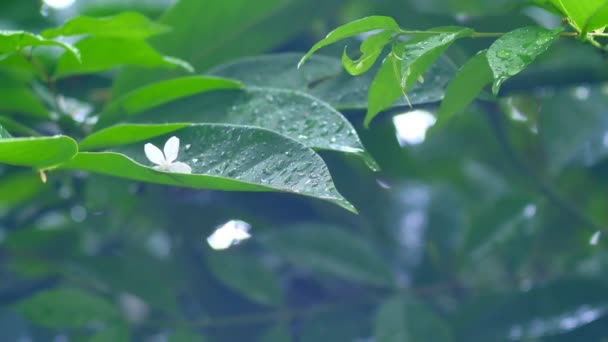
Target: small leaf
{"points": [[407, 319], [466, 85], [371, 48], [15, 41], [246, 275], [102, 53], [161, 92], [129, 25], [352, 29], [260, 160], [66, 308], [514, 51], [296, 115], [39, 152], [331, 251], [409, 61], [584, 15]]}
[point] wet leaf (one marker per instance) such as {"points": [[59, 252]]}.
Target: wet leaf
{"points": [[514, 51], [260, 160], [585, 15], [371, 48]]}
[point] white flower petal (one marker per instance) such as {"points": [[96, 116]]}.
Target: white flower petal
{"points": [[179, 167], [228, 234], [154, 154], [220, 239], [171, 149]]}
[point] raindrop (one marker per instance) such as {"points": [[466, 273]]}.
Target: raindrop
{"points": [[504, 54], [188, 146], [581, 93], [529, 211], [78, 213], [595, 238]]}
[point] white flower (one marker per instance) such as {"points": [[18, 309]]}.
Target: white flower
{"points": [[166, 162], [228, 234]]}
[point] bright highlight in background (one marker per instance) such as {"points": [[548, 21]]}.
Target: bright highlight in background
{"points": [[59, 4], [411, 127], [228, 234]]}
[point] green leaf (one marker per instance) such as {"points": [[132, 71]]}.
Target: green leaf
{"points": [[124, 134], [406, 319], [16, 127], [15, 41], [352, 29], [226, 30], [66, 308], [19, 98], [584, 15], [247, 276], [407, 64], [466, 85], [162, 92], [103, 53], [323, 78], [261, 161], [331, 251], [514, 51], [296, 115], [17, 188], [39, 152], [371, 48], [385, 88], [128, 25]]}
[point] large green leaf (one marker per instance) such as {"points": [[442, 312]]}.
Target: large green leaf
{"points": [[323, 78], [124, 134], [129, 25], [331, 251], [466, 85], [352, 29], [584, 15], [406, 319], [299, 116], [14, 41], [225, 30], [66, 308], [158, 93], [514, 51], [39, 152], [105, 53], [407, 65], [245, 275], [224, 157]]}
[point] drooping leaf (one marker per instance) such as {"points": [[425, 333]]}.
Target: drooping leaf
{"points": [[408, 62], [103, 53], [17, 128], [465, 86], [39, 152], [246, 275], [296, 115], [66, 308], [371, 48], [128, 25], [225, 30], [352, 29], [331, 251], [514, 51], [261, 161], [323, 78], [15, 41], [407, 319], [162, 92]]}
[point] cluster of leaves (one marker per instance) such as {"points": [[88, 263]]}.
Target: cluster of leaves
{"points": [[258, 124]]}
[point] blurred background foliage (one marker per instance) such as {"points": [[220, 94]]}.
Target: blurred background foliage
{"points": [[479, 231]]}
